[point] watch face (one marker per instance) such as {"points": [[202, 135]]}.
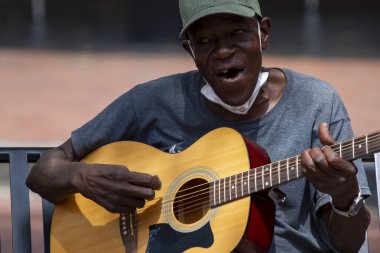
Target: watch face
{"points": [[356, 206]]}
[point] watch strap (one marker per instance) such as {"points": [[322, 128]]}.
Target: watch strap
{"points": [[354, 208]]}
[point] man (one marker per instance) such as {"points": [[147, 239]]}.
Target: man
{"points": [[285, 112]]}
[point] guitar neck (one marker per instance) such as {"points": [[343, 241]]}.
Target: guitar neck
{"points": [[264, 177]]}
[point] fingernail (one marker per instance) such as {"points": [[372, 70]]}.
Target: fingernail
{"points": [[157, 182]]}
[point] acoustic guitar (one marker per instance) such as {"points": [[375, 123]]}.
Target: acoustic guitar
{"points": [[210, 198]]}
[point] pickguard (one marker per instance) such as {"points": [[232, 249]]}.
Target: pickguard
{"points": [[163, 238]]}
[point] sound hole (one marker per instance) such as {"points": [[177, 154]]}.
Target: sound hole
{"points": [[192, 202]]}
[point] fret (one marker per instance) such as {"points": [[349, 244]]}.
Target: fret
{"points": [[297, 166], [219, 191], [292, 172], [241, 185], [264, 170], [224, 189], [274, 173], [262, 176], [346, 150], [214, 195], [287, 167], [233, 186], [236, 194], [360, 147], [280, 172], [229, 187], [270, 174], [245, 183], [249, 180], [255, 171], [373, 143]]}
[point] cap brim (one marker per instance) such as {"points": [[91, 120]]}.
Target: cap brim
{"points": [[220, 9]]}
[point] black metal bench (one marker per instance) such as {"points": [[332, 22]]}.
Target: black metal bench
{"points": [[19, 160]]}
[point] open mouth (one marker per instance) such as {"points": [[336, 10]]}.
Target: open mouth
{"points": [[231, 73]]}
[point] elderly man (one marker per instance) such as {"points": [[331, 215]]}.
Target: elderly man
{"points": [[285, 112]]}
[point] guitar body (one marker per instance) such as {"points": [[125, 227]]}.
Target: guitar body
{"points": [[172, 222]]}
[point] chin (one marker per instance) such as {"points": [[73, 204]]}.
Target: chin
{"points": [[237, 101]]}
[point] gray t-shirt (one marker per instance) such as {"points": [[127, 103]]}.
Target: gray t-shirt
{"points": [[171, 114]]}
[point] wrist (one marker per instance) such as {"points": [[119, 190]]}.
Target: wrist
{"points": [[353, 208], [75, 176], [343, 199]]}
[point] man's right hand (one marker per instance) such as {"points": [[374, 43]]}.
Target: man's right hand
{"points": [[115, 187], [58, 174]]}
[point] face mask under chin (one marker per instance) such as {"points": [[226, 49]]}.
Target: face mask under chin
{"points": [[208, 92]]}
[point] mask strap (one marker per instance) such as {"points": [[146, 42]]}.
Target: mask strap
{"points": [[191, 49], [259, 32]]}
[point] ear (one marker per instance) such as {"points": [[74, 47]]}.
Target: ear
{"points": [[265, 25], [186, 46]]}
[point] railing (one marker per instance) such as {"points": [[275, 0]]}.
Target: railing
{"points": [[19, 160]]}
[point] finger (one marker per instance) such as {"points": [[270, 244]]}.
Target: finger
{"points": [[320, 162], [143, 179], [156, 183], [129, 190], [310, 172], [307, 162], [120, 190], [324, 134], [338, 163], [316, 181], [309, 168]]}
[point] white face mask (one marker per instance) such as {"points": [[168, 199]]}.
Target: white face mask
{"points": [[209, 93]]}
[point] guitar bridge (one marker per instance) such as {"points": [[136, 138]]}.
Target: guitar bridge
{"points": [[128, 230]]}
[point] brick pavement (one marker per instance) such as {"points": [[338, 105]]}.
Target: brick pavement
{"points": [[44, 95]]}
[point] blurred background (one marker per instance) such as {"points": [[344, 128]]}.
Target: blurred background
{"points": [[62, 61]]}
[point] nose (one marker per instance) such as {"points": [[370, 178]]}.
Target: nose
{"points": [[223, 49]]}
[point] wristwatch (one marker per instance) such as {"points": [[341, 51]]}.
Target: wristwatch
{"points": [[354, 208]]}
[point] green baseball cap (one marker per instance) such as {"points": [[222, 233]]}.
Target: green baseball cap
{"points": [[193, 10]]}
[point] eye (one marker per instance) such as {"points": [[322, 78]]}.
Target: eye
{"points": [[203, 41], [238, 32]]}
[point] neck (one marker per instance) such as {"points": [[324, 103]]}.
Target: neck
{"points": [[271, 175]]}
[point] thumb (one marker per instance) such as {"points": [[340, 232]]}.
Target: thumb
{"points": [[324, 134]]}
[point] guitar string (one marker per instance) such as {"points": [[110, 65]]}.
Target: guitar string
{"points": [[201, 205], [260, 186], [283, 167], [197, 205], [274, 168], [344, 148]]}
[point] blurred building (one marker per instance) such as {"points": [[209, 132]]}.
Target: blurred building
{"points": [[316, 27]]}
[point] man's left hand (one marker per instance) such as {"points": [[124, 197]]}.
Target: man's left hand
{"points": [[328, 172]]}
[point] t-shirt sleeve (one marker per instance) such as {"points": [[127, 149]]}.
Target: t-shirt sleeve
{"points": [[341, 130], [116, 122]]}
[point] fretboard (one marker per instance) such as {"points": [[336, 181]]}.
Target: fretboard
{"points": [[264, 177]]}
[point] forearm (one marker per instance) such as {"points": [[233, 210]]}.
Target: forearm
{"points": [[347, 234], [52, 175]]}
